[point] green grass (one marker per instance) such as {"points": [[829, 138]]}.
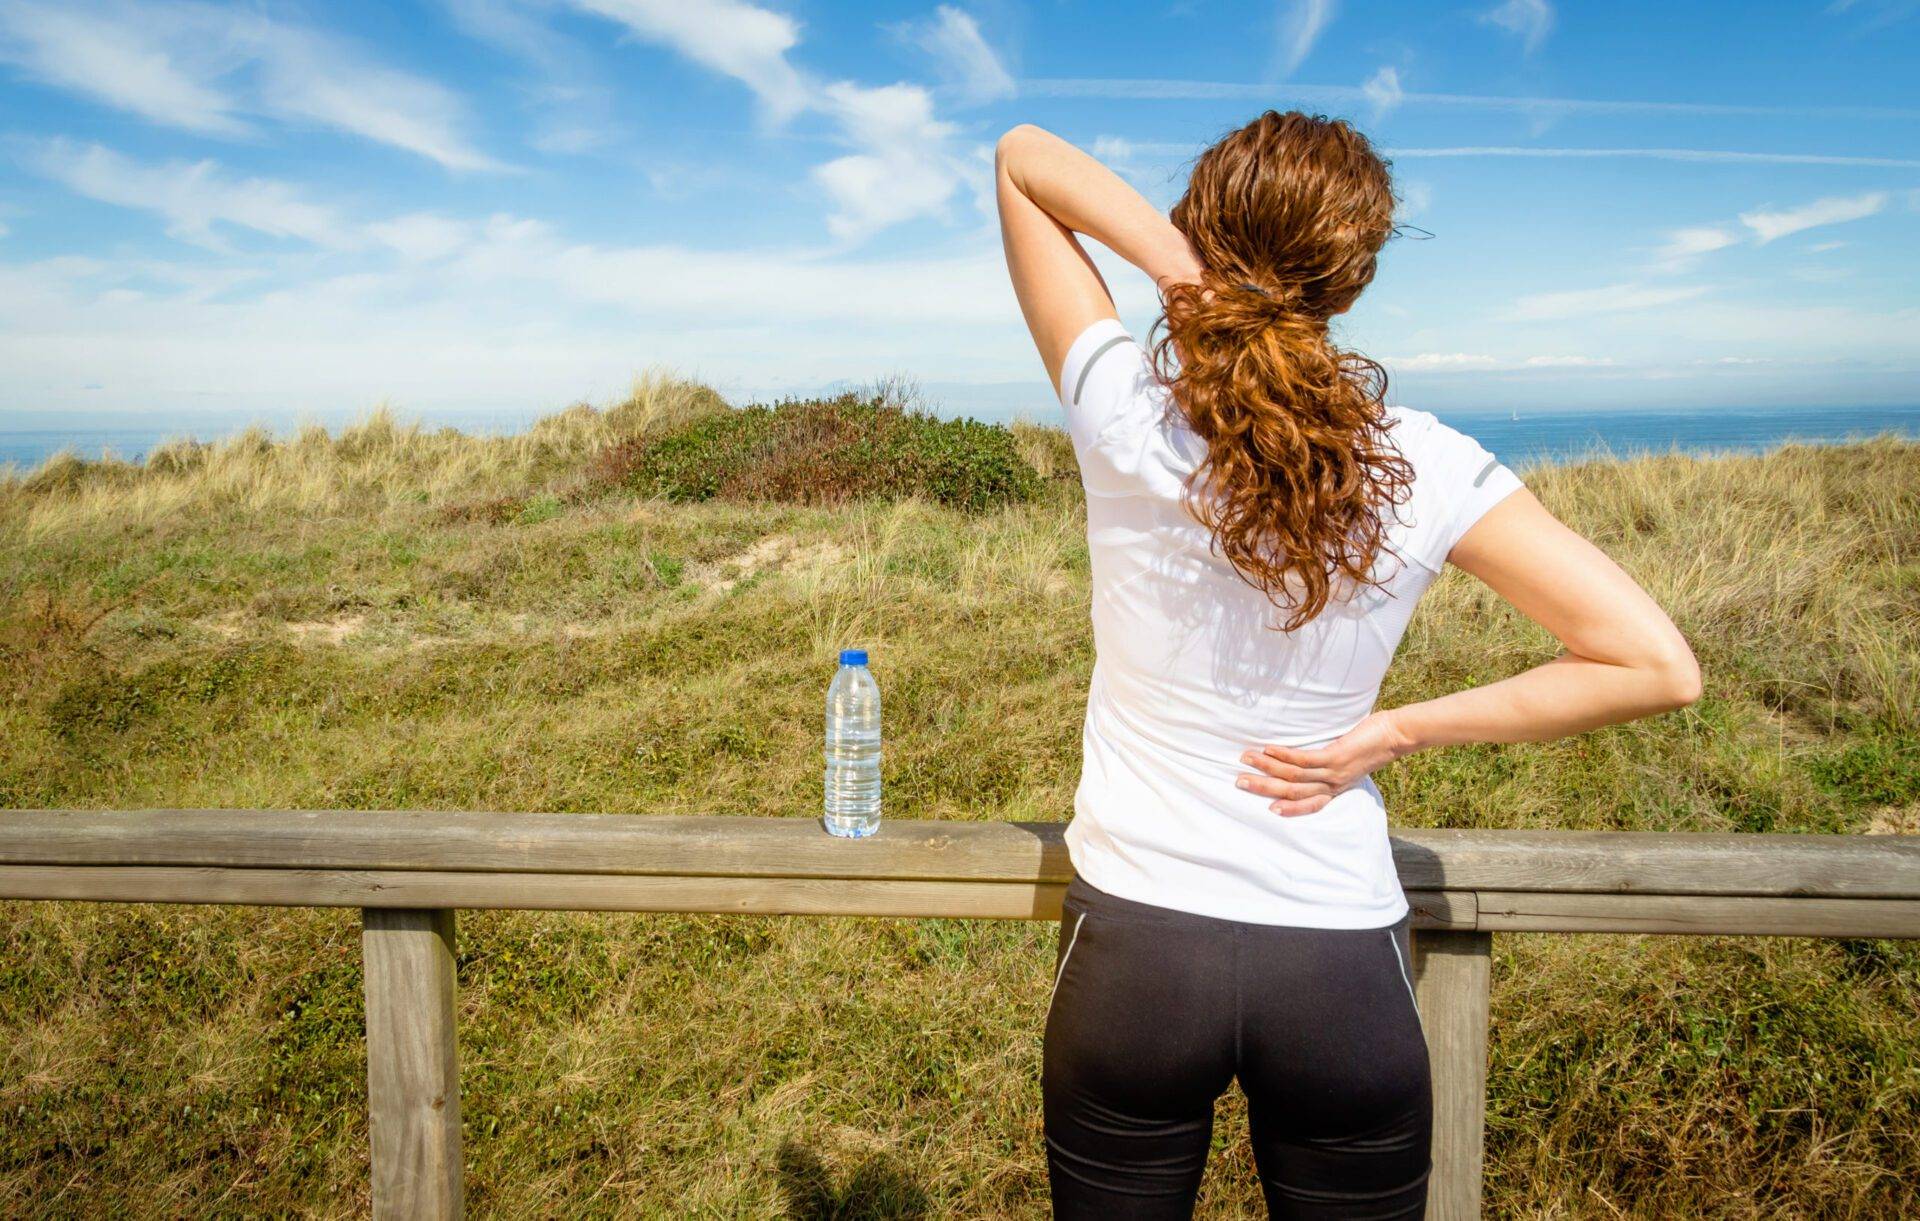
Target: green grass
{"points": [[399, 618], [825, 451]]}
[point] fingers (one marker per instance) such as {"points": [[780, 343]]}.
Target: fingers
{"points": [[1289, 809], [1284, 790], [1299, 781], [1288, 768], [1321, 756]]}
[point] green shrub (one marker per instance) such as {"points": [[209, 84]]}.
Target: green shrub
{"points": [[825, 451]]}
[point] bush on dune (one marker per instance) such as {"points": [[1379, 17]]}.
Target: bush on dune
{"points": [[825, 451]]}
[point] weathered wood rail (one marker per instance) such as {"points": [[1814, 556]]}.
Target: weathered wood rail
{"points": [[410, 872]]}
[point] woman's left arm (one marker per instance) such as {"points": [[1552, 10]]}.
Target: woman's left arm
{"points": [[1048, 190]]}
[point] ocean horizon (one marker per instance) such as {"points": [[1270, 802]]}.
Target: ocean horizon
{"points": [[1517, 437]]}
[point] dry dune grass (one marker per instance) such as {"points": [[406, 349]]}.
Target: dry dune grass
{"points": [[376, 463], [321, 625]]}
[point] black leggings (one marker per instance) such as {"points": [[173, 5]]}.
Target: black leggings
{"points": [[1154, 1011]]}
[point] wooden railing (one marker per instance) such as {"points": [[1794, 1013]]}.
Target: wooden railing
{"points": [[411, 871]]}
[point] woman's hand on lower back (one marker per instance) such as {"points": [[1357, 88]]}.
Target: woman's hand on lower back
{"points": [[1304, 781]]}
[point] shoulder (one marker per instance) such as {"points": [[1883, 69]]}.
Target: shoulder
{"points": [[1127, 435], [1438, 451], [1456, 479], [1106, 379]]}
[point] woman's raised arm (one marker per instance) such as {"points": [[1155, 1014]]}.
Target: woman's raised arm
{"points": [[1048, 190]]}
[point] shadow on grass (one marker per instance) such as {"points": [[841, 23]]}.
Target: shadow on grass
{"points": [[877, 1191]]}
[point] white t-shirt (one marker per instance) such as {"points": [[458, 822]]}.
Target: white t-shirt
{"points": [[1189, 671]]}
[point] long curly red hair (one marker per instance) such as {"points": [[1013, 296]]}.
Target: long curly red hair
{"points": [[1288, 215]]}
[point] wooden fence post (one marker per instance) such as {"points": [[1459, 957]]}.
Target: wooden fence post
{"points": [[413, 1073], [1453, 976]]}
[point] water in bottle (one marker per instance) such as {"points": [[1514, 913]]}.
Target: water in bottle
{"points": [[853, 748]]}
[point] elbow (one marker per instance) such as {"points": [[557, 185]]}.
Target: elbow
{"points": [[1011, 142], [1678, 678]]}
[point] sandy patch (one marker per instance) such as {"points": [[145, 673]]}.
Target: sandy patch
{"points": [[233, 625], [325, 631], [1895, 820], [777, 553]]}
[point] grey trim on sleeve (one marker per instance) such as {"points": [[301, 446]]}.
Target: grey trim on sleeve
{"points": [[1484, 471], [1087, 368]]}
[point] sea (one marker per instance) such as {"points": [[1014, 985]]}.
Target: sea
{"points": [[1518, 438]]}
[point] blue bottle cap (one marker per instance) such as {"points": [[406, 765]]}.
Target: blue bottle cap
{"points": [[853, 657]]}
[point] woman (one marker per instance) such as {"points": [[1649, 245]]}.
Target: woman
{"points": [[1261, 525]]}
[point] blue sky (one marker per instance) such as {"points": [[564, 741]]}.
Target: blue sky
{"points": [[291, 210]]}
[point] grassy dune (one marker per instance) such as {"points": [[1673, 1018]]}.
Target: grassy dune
{"points": [[399, 618]]}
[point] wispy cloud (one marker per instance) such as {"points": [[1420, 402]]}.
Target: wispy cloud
{"points": [[1833, 210], [507, 25], [1612, 299], [1684, 247], [573, 103], [743, 41], [1415, 197], [110, 56], [1566, 362], [1529, 20], [1880, 13], [193, 198], [200, 68], [1427, 362], [1725, 156], [308, 76], [1383, 92], [904, 162], [971, 66], [1152, 90], [1301, 24], [422, 237], [1168, 148], [1470, 362]]}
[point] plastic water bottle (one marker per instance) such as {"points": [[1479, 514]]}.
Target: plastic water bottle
{"points": [[853, 748]]}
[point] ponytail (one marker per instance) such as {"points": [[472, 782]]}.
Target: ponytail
{"points": [[1299, 467]]}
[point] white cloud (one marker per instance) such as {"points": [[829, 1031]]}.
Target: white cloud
{"points": [[1684, 246], [1726, 156], [109, 54], [192, 197], [1567, 362], [1437, 361], [1169, 148], [1241, 91], [422, 236], [508, 26], [1823, 247], [953, 38], [516, 317], [904, 163], [1415, 197], [1832, 210], [308, 76], [1529, 20], [1612, 299], [1466, 362], [1301, 25], [743, 41], [200, 68], [1383, 92], [903, 170]]}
